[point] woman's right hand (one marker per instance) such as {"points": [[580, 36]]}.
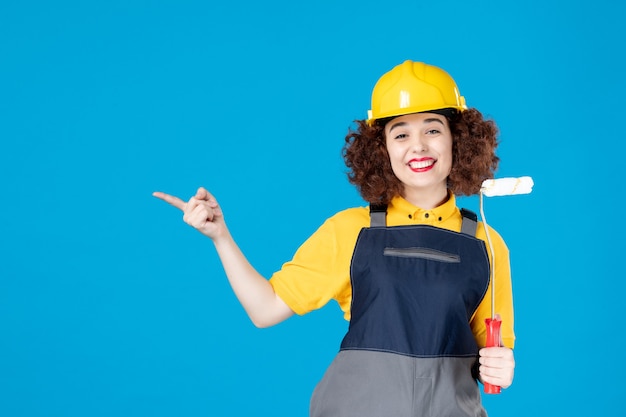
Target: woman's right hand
{"points": [[201, 212]]}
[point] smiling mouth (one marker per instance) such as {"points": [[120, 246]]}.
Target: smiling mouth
{"points": [[417, 165]]}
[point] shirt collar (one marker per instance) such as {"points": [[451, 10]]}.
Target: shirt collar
{"points": [[407, 211]]}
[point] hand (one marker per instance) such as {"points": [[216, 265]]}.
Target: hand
{"points": [[201, 212], [497, 366]]}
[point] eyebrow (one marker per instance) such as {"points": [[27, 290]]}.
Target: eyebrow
{"points": [[429, 120]]}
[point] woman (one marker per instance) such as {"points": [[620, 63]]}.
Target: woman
{"points": [[411, 272]]}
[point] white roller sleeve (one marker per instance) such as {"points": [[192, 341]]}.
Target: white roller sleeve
{"points": [[507, 186]]}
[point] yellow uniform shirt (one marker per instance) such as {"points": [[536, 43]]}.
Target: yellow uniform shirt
{"points": [[320, 268]]}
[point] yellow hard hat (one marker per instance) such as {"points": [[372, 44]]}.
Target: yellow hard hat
{"points": [[414, 87]]}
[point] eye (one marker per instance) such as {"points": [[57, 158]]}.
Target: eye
{"points": [[433, 132], [401, 136]]}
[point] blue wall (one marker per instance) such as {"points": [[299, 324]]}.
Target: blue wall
{"points": [[111, 306]]}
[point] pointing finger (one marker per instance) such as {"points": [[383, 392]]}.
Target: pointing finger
{"points": [[174, 201]]}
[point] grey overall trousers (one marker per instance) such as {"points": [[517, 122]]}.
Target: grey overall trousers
{"points": [[409, 350]]}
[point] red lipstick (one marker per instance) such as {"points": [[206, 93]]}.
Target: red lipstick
{"points": [[421, 164]]}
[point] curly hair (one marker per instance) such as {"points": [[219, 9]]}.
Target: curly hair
{"points": [[474, 141]]}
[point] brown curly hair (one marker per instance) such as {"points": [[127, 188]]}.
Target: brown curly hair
{"points": [[474, 141]]}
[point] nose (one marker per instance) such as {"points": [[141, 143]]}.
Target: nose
{"points": [[419, 144]]}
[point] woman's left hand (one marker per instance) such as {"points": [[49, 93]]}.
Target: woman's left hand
{"points": [[497, 366]]}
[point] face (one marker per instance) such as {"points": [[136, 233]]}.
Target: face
{"points": [[420, 151]]}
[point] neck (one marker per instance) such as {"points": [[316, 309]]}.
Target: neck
{"points": [[427, 199]]}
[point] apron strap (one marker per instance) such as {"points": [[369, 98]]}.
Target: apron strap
{"points": [[469, 223], [378, 215]]}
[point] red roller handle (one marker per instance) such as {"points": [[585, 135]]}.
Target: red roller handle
{"points": [[493, 339]]}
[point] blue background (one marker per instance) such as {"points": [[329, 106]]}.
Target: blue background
{"points": [[111, 306]]}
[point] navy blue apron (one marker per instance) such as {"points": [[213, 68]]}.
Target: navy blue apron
{"points": [[409, 350]]}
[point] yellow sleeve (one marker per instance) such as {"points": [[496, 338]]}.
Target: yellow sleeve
{"points": [[320, 268], [503, 293]]}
